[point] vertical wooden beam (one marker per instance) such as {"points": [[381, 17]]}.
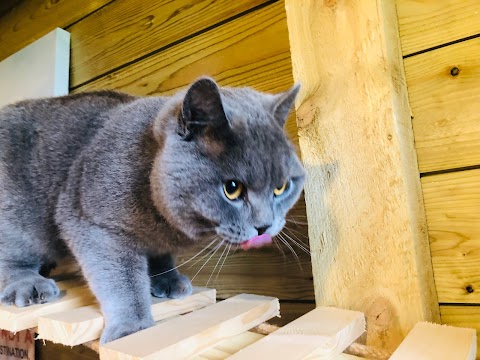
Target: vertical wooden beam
{"points": [[367, 225]]}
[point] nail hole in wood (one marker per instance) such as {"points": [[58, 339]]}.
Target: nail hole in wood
{"points": [[469, 289]]}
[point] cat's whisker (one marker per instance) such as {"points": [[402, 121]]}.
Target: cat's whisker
{"points": [[191, 259], [274, 240], [216, 248], [237, 246], [296, 222], [223, 263], [205, 255], [293, 231], [292, 250], [299, 244], [216, 265]]}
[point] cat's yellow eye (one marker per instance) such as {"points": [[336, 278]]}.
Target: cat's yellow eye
{"points": [[280, 190], [233, 189]]}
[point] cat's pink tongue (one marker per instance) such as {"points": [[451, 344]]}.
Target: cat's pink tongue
{"points": [[256, 242]]}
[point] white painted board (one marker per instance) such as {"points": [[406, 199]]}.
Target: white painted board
{"points": [[40, 69]]}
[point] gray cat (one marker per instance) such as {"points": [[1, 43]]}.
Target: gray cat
{"points": [[125, 182]]}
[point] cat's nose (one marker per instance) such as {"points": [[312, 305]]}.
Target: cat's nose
{"points": [[261, 230]]}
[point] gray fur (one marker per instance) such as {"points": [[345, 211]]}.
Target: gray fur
{"points": [[125, 182]]}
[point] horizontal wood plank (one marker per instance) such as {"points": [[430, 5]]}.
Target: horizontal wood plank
{"points": [[446, 108], [263, 271], [83, 324], [73, 293], [128, 29], [229, 347], [426, 24], [323, 333], [452, 205], [191, 334], [234, 54], [428, 341], [30, 20], [462, 316]]}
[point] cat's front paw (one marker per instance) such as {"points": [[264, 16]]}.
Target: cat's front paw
{"points": [[118, 330], [29, 290], [172, 285]]}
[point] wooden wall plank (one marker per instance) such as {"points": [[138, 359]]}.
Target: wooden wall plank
{"points": [[32, 19], [367, 225], [452, 205], [426, 24], [446, 108], [234, 54], [263, 271], [129, 29], [462, 316]]}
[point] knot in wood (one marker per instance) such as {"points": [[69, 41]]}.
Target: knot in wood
{"points": [[455, 71]]}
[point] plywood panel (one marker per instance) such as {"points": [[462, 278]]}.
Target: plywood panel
{"points": [[452, 205], [426, 24], [32, 19], [129, 29], [462, 316], [446, 108]]}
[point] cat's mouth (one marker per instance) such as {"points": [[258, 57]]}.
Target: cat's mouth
{"points": [[256, 242]]}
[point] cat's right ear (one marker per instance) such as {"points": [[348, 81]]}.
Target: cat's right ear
{"points": [[202, 107]]}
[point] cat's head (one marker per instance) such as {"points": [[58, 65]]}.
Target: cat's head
{"points": [[226, 168]]}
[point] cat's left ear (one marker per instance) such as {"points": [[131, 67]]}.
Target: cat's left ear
{"points": [[202, 107], [283, 104]]}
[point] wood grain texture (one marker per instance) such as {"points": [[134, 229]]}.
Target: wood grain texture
{"points": [[462, 316], [228, 347], [322, 333], [50, 351], [234, 54], [129, 29], [84, 324], [263, 271], [430, 23], [73, 294], [32, 19], [368, 236], [446, 108], [429, 341], [193, 333], [452, 204]]}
